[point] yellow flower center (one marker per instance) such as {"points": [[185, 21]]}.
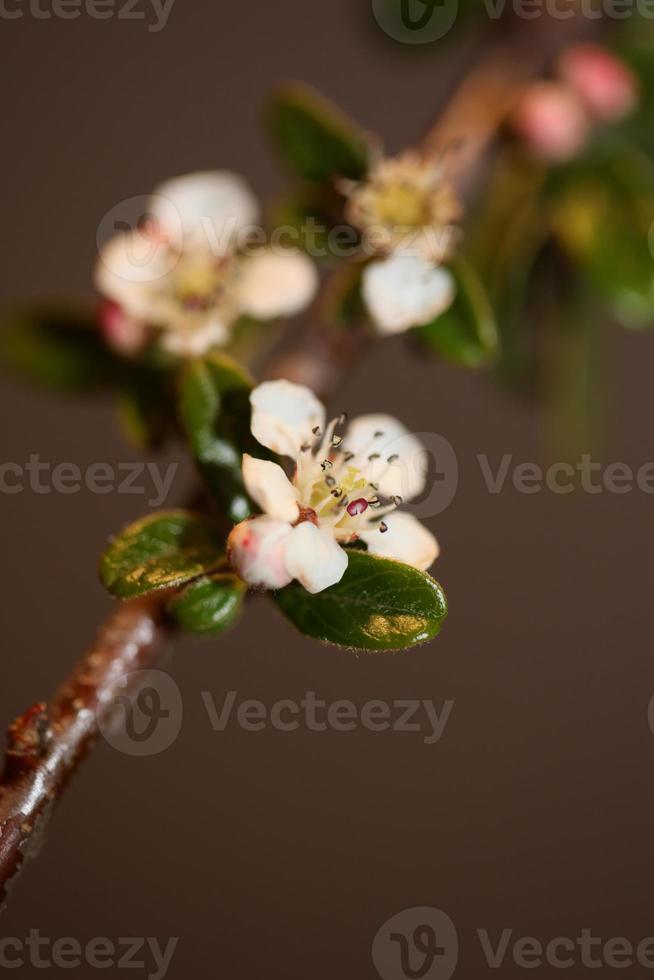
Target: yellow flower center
{"points": [[403, 204], [199, 281]]}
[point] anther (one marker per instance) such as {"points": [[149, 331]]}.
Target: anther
{"points": [[392, 459], [330, 481], [336, 441], [396, 499], [383, 527], [316, 431], [378, 435], [373, 457], [348, 456], [326, 464]]}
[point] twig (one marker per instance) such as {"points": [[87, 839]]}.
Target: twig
{"points": [[48, 742]]}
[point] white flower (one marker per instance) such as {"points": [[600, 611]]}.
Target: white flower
{"points": [[182, 275], [346, 486], [406, 291], [405, 203], [408, 213]]}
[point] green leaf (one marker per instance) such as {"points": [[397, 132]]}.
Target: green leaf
{"points": [[315, 138], [602, 216], [466, 334], [160, 552], [308, 214], [378, 605], [209, 605], [214, 411], [57, 347]]}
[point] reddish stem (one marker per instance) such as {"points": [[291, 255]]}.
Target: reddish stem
{"points": [[48, 742]]}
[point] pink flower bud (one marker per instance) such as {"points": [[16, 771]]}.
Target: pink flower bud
{"points": [[257, 551], [551, 121], [121, 332], [605, 84]]}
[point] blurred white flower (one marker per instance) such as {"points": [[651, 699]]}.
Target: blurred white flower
{"points": [[405, 291], [346, 487], [407, 212], [406, 203], [182, 274]]}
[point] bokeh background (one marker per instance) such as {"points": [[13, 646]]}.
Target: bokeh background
{"points": [[275, 854]]}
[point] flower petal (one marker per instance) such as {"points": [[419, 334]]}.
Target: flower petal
{"points": [[276, 285], [271, 489], [385, 437], [406, 540], [195, 341], [314, 558], [256, 550], [205, 210], [284, 415], [123, 333], [405, 291], [129, 269]]}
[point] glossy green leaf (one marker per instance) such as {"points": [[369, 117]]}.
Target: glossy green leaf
{"points": [[159, 552], [466, 334], [209, 605], [378, 605], [58, 348], [214, 411], [315, 138]]}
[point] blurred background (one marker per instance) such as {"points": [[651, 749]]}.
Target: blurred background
{"points": [[277, 853]]}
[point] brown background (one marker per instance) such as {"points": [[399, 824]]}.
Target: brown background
{"points": [[281, 855]]}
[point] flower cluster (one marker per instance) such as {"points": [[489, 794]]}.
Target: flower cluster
{"points": [[410, 212], [555, 118], [181, 277], [347, 484]]}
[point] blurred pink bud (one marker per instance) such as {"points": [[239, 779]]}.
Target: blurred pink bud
{"points": [[551, 121], [605, 84], [121, 332]]}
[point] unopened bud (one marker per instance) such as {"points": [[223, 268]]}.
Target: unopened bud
{"points": [[256, 550], [605, 84], [551, 121]]}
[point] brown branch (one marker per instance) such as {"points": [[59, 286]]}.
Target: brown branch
{"points": [[48, 742]]}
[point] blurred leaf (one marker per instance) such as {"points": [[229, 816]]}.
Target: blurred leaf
{"points": [[209, 605], [308, 214], [214, 410], [604, 220], [59, 348], [466, 334], [377, 605], [159, 552], [504, 245], [315, 138]]}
